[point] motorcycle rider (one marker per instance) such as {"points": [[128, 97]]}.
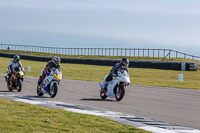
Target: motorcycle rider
{"points": [[12, 65], [52, 64], [113, 72]]}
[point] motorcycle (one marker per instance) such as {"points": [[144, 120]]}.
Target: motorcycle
{"points": [[15, 80], [116, 87], [50, 83]]}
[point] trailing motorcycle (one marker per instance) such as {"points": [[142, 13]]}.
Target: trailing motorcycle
{"points": [[116, 87], [15, 80], [50, 83]]}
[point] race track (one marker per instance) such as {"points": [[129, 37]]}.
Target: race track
{"points": [[171, 105]]}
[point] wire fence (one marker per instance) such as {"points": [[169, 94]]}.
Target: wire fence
{"points": [[134, 52]]}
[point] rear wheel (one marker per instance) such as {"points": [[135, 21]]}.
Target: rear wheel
{"points": [[19, 87], [119, 93], [39, 91], [53, 90], [103, 93]]}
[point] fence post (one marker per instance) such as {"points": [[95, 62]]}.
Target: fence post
{"points": [[148, 52], [143, 52], [138, 52], [164, 53], [176, 54], [153, 52], [134, 52], [158, 53]]}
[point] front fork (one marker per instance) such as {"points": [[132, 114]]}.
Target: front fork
{"points": [[52, 83], [119, 86]]}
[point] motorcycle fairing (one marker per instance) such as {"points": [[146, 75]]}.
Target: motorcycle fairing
{"points": [[110, 88]]}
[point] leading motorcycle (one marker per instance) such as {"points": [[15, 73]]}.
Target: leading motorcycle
{"points": [[50, 83], [116, 87], [15, 80]]}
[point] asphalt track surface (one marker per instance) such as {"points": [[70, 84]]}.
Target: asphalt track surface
{"points": [[171, 105]]}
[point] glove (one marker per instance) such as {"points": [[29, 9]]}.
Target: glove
{"points": [[114, 75]]}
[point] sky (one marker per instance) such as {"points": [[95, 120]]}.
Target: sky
{"points": [[170, 24]]}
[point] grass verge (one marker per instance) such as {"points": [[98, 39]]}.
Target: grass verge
{"points": [[24, 118]]}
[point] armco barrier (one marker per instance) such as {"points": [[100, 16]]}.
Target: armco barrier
{"points": [[180, 66]]}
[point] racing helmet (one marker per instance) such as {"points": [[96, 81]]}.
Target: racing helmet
{"points": [[16, 58], [124, 62], [56, 60]]}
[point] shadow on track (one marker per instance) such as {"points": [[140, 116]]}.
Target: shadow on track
{"points": [[95, 99], [7, 91]]}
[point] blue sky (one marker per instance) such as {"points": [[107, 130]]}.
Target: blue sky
{"points": [[171, 24]]}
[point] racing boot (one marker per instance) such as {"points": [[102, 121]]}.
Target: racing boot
{"points": [[40, 81], [104, 85], [7, 79]]}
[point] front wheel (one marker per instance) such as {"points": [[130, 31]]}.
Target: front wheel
{"points": [[53, 90], [19, 87], [119, 93], [103, 93]]}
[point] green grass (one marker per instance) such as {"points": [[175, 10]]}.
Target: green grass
{"points": [[139, 76], [25, 118]]}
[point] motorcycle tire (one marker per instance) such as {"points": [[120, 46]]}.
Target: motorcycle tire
{"points": [[19, 88], [102, 94], [121, 93], [53, 91], [39, 92]]}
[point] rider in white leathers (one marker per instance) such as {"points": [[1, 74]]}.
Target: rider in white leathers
{"points": [[12, 65]]}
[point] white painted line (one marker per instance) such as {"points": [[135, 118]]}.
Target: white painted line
{"points": [[28, 101], [85, 112], [156, 129]]}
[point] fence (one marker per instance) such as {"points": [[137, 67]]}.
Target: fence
{"points": [[135, 52]]}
